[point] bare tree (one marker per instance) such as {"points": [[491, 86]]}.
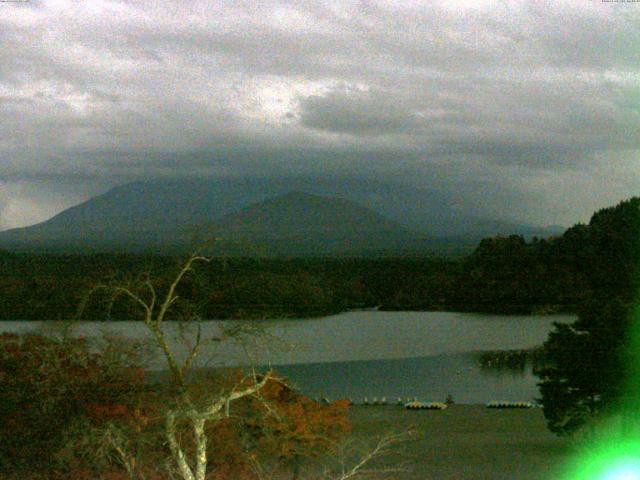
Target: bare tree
{"points": [[363, 461], [190, 464]]}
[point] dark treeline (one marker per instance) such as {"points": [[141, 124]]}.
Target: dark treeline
{"points": [[53, 286], [502, 275], [509, 275]]}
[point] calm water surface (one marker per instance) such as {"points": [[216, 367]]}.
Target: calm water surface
{"points": [[364, 353]]}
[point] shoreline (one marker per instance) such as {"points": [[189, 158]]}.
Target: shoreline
{"points": [[542, 312]]}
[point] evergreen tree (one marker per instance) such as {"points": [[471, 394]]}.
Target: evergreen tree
{"points": [[588, 361]]}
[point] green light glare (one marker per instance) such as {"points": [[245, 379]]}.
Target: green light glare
{"points": [[624, 472], [609, 460], [614, 453], [632, 389]]}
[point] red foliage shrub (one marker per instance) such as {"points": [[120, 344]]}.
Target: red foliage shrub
{"points": [[46, 384]]}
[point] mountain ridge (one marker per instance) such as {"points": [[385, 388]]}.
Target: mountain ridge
{"points": [[166, 214]]}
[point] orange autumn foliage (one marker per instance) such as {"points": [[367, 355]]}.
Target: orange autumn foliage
{"points": [[299, 425], [278, 427], [51, 383]]}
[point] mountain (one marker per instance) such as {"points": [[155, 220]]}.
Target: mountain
{"points": [[295, 223], [136, 216], [299, 214], [346, 215], [305, 224]]}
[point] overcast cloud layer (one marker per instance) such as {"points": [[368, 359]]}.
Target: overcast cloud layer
{"points": [[531, 108]]}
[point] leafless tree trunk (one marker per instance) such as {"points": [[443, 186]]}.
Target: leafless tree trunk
{"points": [[155, 309]]}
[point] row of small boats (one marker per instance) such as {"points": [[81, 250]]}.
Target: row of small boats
{"points": [[510, 405], [426, 406], [413, 403]]}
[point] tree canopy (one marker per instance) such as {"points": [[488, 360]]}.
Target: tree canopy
{"points": [[589, 361]]}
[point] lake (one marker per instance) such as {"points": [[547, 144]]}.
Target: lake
{"points": [[365, 353]]}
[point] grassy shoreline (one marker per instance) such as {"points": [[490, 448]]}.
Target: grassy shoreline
{"points": [[468, 442]]}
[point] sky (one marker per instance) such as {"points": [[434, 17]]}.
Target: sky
{"points": [[530, 108]]}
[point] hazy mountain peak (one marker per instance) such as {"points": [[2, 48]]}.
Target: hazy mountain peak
{"points": [[323, 214]]}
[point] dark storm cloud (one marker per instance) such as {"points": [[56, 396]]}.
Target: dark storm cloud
{"points": [[497, 100], [358, 113]]}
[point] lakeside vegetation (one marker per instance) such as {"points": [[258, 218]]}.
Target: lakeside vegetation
{"points": [[511, 360]]}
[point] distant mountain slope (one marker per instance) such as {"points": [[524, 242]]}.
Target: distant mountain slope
{"points": [[163, 214], [297, 214], [136, 216], [295, 223], [152, 205], [302, 223]]}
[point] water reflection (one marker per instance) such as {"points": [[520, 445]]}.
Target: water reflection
{"points": [[511, 361], [432, 378]]}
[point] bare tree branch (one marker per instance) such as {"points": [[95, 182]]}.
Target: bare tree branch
{"points": [[361, 468], [147, 308], [193, 351], [176, 450], [171, 297]]}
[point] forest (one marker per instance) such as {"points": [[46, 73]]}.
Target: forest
{"points": [[504, 274]]}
